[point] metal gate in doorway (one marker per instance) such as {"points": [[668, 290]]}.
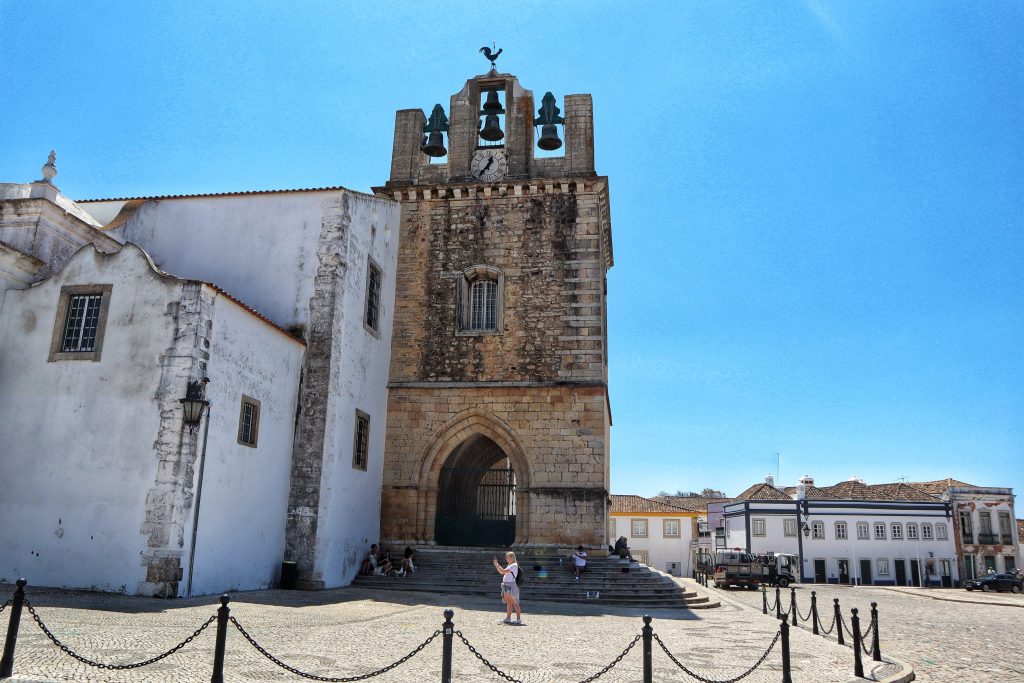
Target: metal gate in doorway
{"points": [[476, 507]]}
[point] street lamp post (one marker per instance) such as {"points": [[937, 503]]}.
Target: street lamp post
{"points": [[194, 404]]}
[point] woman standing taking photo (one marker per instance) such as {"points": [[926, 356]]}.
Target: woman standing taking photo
{"points": [[509, 589]]}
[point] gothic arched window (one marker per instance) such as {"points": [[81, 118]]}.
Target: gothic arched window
{"points": [[481, 291]]}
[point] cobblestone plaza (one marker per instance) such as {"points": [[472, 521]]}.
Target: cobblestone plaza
{"points": [[349, 631]]}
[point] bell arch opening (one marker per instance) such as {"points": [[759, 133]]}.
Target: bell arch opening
{"points": [[476, 496]]}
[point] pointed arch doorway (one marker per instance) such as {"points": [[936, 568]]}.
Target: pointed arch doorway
{"points": [[476, 497]]}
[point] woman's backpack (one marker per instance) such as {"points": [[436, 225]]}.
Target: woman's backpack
{"points": [[519, 574]]}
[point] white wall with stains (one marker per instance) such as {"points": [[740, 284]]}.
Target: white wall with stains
{"points": [[242, 511]]}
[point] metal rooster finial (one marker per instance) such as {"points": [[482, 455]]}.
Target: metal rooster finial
{"points": [[491, 55]]}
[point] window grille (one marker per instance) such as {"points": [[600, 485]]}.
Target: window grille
{"points": [[483, 300], [81, 323], [361, 447], [248, 422], [373, 297], [883, 567]]}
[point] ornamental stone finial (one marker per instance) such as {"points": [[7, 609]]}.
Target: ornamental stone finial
{"points": [[50, 168]]}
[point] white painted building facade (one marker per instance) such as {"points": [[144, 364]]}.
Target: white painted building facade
{"points": [[658, 535], [851, 541]]}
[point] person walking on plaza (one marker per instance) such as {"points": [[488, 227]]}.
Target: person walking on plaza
{"points": [[579, 562], [509, 588]]}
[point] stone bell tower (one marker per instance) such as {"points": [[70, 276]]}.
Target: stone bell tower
{"points": [[498, 411]]}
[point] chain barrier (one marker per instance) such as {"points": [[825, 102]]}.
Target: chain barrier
{"points": [[696, 675], [615, 661], [864, 639], [5, 606], [113, 667], [828, 631], [329, 679], [810, 613], [486, 663], [846, 628]]}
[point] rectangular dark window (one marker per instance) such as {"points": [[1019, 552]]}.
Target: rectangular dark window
{"points": [[373, 279], [81, 323], [249, 422], [361, 443]]}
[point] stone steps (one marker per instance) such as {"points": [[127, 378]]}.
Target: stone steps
{"points": [[607, 580]]}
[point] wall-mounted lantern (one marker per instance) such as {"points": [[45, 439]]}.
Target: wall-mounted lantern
{"points": [[194, 403]]}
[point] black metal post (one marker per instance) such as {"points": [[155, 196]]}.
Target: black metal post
{"points": [[876, 648], [764, 599], [858, 664], [787, 675], [792, 604], [222, 635], [839, 622], [814, 612], [7, 663], [778, 604], [447, 629], [647, 632]]}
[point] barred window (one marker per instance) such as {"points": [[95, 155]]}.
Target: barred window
{"points": [[483, 299], [481, 290], [758, 527], [80, 322], [373, 280], [361, 444], [883, 567], [249, 422]]}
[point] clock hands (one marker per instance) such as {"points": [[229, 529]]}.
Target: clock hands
{"points": [[490, 160]]}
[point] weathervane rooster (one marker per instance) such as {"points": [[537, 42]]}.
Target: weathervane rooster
{"points": [[491, 55]]}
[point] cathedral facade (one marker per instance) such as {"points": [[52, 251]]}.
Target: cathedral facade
{"points": [[498, 407]]}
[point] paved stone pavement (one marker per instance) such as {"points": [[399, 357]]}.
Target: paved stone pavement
{"points": [[962, 642], [352, 631]]}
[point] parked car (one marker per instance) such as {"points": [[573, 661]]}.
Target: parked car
{"points": [[996, 582]]}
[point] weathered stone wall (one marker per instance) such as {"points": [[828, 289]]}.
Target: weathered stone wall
{"points": [[553, 436]]}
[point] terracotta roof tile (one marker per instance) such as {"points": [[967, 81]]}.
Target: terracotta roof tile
{"points": [[694, 503], [638, 505], [812, 493], [857, 490], [939, 486], [762, 492], [233, 194]]}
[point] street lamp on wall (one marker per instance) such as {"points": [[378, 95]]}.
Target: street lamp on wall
{"points": [[194, 404], [807, 530]]}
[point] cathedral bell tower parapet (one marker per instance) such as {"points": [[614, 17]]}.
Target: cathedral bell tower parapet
{"points": [[468, 115]]}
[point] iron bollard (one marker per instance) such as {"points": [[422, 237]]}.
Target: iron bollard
{"points": [[7, 663], [647, 632], [764, 599], [787, 676], [839, 622], [876, 648], [778, 604], [792, 604], [858, 664], [814, 612], [447, 629], [222, 635]]}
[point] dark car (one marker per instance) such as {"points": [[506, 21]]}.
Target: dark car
{"points": [[996, 582]]}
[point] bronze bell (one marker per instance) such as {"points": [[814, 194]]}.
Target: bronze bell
{"points": [[549, 137], [492, 105], [434, 145], [492, 129]]}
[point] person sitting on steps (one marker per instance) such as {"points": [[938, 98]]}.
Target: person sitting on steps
{"points": [[622, 550], [369, 565], [579, 562]]}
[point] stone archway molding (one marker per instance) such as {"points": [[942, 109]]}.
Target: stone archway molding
{"points": [[462, 426]]}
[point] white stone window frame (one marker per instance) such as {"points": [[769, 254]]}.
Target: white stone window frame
{"points": [[634, 525], [371, 267], [941, 532], [364, 447], [927, 532], [882, 566], [912, 531], [863, 531], [67, 293], [471, 275], [789, 527], [665, 528], [818, 530], [758, 527], [249, 433], [842, 531], [896, 529], [880, 531]]}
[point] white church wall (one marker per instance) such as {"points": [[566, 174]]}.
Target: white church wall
{"points": [[350, 502], [260, 247], [242, 512], [75, 428]]}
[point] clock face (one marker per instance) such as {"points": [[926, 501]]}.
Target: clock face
{"points": [[489, 164]]}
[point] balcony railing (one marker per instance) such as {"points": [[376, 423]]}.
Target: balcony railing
{"points": [[967, 538], [988, 539], [1007, 539]]}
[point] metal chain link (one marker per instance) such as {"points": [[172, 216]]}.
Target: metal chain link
{"points": [[810, 612], [113, 667], [864, 639], [743, 675], [5, 606], [329, 679], [615, 661], [830, 628], [486, 663], [845, 627]]}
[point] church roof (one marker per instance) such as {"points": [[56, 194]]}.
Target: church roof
{"points": [[638, 505], [331, 188], [762, 492]]}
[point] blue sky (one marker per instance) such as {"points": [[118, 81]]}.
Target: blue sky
{"points": [[817, 207]]}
